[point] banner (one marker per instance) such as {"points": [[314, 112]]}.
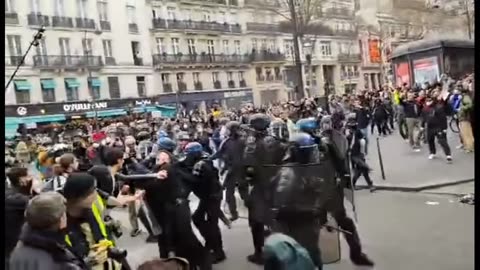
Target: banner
{"points": [[402, 74], [374, 51], [426, 70]]}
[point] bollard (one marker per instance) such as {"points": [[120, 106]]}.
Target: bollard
{"points": [[380, 160]]}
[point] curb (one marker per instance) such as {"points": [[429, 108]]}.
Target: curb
{"points": [[419, 188]]}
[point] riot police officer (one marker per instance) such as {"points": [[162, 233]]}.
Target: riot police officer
{"points": [[261, 150], [228, 152], [301, 191], [278, 129], [205, 184]]}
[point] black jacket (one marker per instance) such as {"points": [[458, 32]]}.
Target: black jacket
{"points": [[411, 109], [363, 117], [15, 205], [105, 181], [43, 250], [207, 184], [434, 117]]}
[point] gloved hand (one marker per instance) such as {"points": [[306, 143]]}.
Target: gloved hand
{"points": [[99, 256]]}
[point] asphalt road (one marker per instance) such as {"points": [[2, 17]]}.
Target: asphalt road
{"points": [[399, 231]]}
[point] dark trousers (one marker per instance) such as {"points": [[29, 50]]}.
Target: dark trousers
{"points": [[382, 126], [258, 235], [441, 137], [359, 171], [205, 219], [232, 178]]}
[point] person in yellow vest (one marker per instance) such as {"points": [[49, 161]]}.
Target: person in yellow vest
{"points": [[87, 234]]}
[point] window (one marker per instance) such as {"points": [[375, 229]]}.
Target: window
{"points": [[22, 95], [206, 17], [240, 75], [41, 48], [325, 48], [87, 46], [107, 48], [191, 46], [14, 45], [188, 14], [82, 8], [94, 90], [160, 46], [171, 13], [271, 45], [72, 92], [215, 76], [225, 47], [9, 6], [131, 17], [254, 44], [165, 78], [102, 6], [48, 94], [196, 77], [180, 77], [222, 17], [113, 87], [264, 44], [141, 86], [238, 49], [211, 47], [288, 48], [64, 46], [175, 46], [59, 8], [34, 6], [230, 76]]}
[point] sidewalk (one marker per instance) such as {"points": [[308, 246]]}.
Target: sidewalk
{"points": [[406, 170]]}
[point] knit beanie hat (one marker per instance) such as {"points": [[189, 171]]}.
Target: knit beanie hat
{"points": [[79, 186]]}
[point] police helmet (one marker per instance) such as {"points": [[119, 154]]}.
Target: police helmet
{"points": [[278, 129], [351, 120], [308, 125], [302, 140], [165, 143], [259, 121], [193, 148]]}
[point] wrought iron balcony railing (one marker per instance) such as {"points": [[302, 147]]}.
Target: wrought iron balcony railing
{"points": [[13, 60], [84, 23], [263, 27], [196, 25], [105, 26], [345, 57], [67, 61], [38, 19], [159, 59], [11, 18], [62, 22], [267, 56]]}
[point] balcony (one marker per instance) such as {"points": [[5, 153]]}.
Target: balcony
{"points": [[13, 60], [256, 3], [198, 86], [345, 33], [243, 83], [338, 13], [110, 61], [195, 25], [217, 85], [266, 56], [349, 75], [345, 57], [132, 28], [182, 86], [105, 26], [70, 61], [137, 61], [231, 84], [36, 19], [159, 59], [167, 88], [219, 2], [84, 23], [62, 22], [11, 18], [263, 27]]}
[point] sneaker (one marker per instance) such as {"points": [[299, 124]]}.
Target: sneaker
{"points": [[431, 156], [135, 233], [372, 189], [459, 146], [361, 260], [449, 159]]}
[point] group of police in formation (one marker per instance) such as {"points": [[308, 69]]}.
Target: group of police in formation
{"points": [[290, 184]]}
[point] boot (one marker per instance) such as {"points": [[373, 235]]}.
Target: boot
{"points": [[218, 256], [361, 259], [256, 258]]}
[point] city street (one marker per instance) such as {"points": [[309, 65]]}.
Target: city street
{"points": [[399, 231]]}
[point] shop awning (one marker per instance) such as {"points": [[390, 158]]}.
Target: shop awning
{"points": [[72, 83], [95, 82], [22, 85], [43, 118], [107, 113], [48, 84]]}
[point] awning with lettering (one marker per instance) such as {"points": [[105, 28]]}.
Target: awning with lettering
{"points": [[48, 83], [22, 85], [95, 82], [106, 113], [72, 83]]}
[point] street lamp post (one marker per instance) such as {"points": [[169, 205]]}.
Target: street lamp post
{"points": [[308, 47], [92, 98], [35, 42]]}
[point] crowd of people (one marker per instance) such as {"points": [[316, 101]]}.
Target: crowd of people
{"points": [[276, 156]]}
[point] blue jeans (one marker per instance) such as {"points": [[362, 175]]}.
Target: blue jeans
{"points": [[364, 131]]}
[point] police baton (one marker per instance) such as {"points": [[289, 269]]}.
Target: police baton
{"points": [[380, 160]]}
